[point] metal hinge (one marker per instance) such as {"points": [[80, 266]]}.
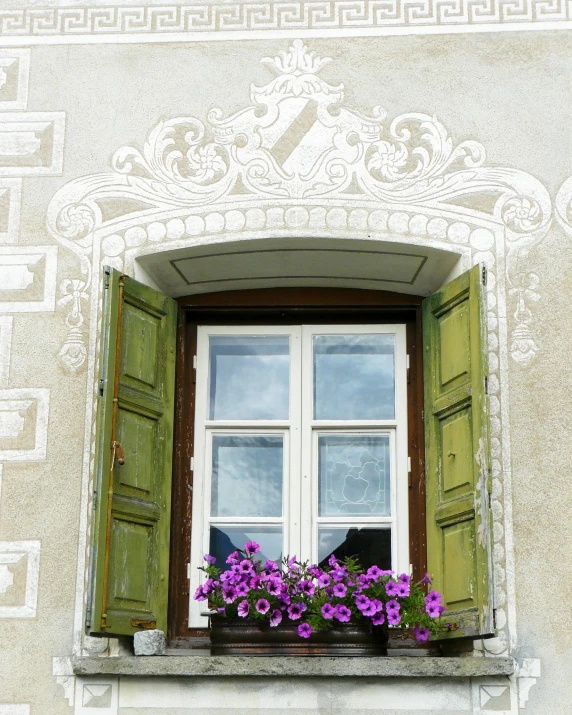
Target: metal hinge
{"points": [[484, 275], [192, 465], [408, 370], [494, 619], [101, 386], [194, 362], [486, 385], [106, 274], [189, 571], [490, 500], [95, 501]]}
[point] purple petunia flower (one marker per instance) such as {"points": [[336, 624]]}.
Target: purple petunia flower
{"points": [[361, 601], [422, 633], [404, 578], [275, 617], [433, 597], [328, 611], [374, 573], [393, 618], [222, 611], [343, 613], [262, 605], [233, 558], [274, 587], [242, 589], [378, 619], [369, 610], [228, 593], [306, 587], [243, 609], [426, 579], [209, 559], [245, 567], [314, 570], [388, 572], [378, 605], [340, 590], [295, 610], [251, 547], [270, 565], [433, 610], [255, 582], [292, 561], [392, 606], [339, 574], [333, 560], [403, 590], [200, 594], [284, 601], [208, 586], [391, 588], [324, 580], [304, 630], [226, 576]]}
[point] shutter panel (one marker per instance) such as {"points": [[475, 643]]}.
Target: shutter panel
{"points": [[131, 528], [457, 453]]}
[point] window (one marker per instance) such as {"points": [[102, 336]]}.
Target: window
{"points": [[343, 399], [301, 444]]}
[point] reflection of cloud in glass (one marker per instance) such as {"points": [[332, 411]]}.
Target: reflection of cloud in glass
{"points": [[354, 475], [226, 539], [249, 378], [247, 475], [354, 377]]}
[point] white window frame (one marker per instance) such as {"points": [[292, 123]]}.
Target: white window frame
{"points": [[300, 488]]}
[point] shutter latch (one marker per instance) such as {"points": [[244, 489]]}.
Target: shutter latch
{"points": [[139, 623], [101, 386], [117, 452]]}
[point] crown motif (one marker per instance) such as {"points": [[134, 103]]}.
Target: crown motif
{"points": [[297, 61]]}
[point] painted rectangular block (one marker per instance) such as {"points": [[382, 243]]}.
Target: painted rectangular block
{"points": [[24, 416], [28, 279], [19, 573], [10, 197], [14, 74], [6, 322], [32, 143], [13, 709], [96, 695]]}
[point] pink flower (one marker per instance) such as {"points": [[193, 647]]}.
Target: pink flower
{"points": [[404, 578], [243, 609], [422, 633], [328, 611], [233, 558], [295, 610], [200, 594], [374, 573], [340, 590], [433, 597], [403, 590], [433, 610], [378, 619], [391, 588], [393, 618], [392, 605], [378, 605], [242, 589], [275, 618], [324, 580], [251, 547], [343, 613], [262, 605], [304, 630], [369, 610]]}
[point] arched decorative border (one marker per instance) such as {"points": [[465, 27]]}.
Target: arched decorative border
{"points": [[339, 174]]}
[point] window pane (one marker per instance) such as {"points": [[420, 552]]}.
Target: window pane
{"points": [[371, 546], [354, 377], [249, 378], [226, 539], [247, 475], [353, 475]]}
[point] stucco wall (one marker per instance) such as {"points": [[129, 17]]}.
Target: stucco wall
{"points": [[508, 91]]}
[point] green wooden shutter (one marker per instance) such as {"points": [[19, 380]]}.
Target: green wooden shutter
{"points": [[457, 452], [130, 537]]}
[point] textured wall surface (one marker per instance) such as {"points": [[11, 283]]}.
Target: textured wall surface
{"points": [[490, 110]]}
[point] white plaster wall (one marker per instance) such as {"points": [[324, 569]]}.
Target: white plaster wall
{"points": [[66, 109]]}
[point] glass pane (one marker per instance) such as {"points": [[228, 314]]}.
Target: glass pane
{"points": [[354, 377], [226, 539], [249, 378], [353, 475], [371, 546], [247, 475]]}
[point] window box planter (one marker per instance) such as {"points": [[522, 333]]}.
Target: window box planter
{"points": [[240, 636]]}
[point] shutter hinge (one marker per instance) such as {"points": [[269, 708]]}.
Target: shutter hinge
{"points": [[106, 274], [101, 386], [408, 371], [95, 500], [494, 619], [486, 384], [490, 500], [194, 362], [192, 465], [484, 275], [189, 571]]}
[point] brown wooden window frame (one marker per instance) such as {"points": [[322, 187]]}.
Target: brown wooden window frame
{"points": [[283, 306]]}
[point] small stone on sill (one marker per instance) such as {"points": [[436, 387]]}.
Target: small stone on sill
{"points": [[149, 642]]}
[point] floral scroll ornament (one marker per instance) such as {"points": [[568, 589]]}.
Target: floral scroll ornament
{"points": [[296, 142]]}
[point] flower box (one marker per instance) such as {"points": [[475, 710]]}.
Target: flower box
{"points": [[239, 636]]}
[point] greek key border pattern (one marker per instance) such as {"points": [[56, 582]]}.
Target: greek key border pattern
{"points": [[280, 15]]}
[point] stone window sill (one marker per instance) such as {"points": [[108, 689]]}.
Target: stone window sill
{"points": [[205, 666]]}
